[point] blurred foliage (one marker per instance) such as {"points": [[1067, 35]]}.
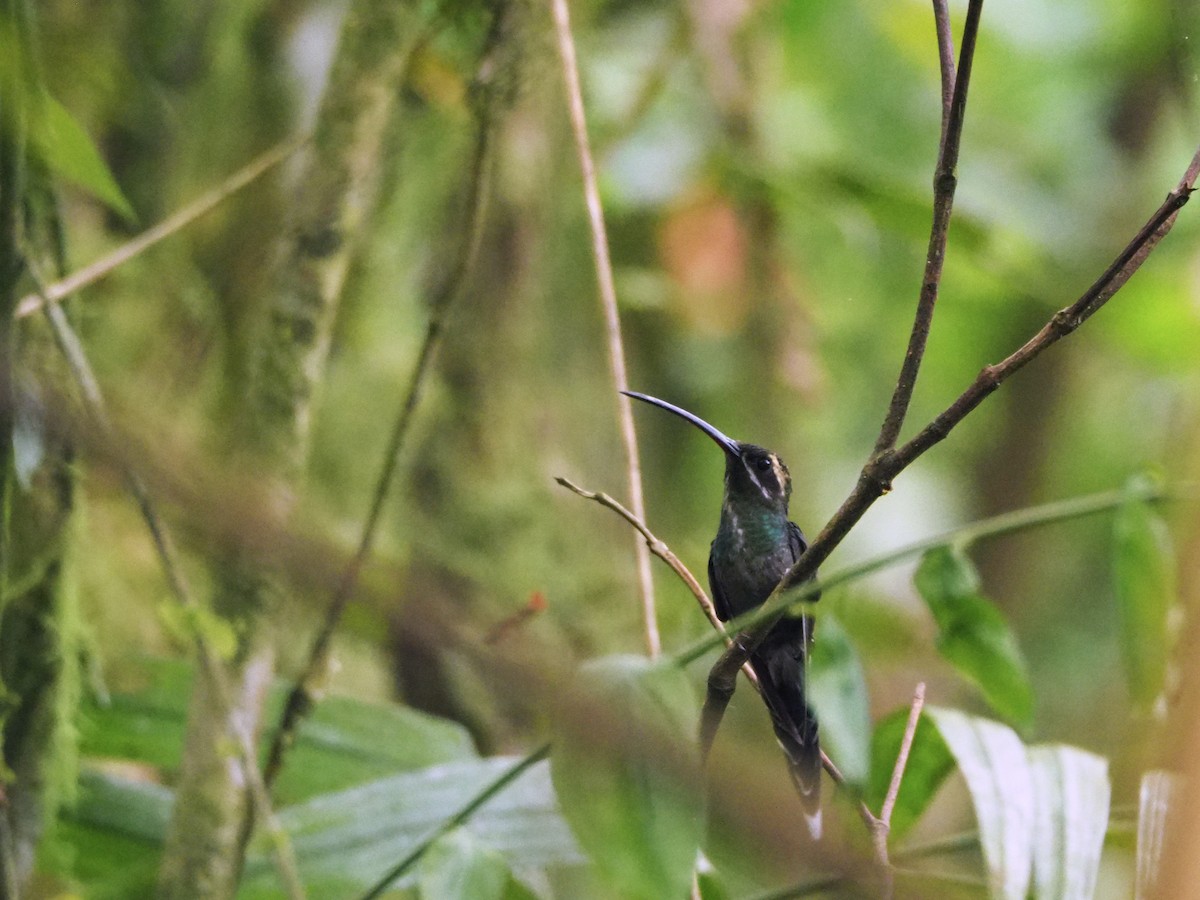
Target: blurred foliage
{"points": [[765, 170]]}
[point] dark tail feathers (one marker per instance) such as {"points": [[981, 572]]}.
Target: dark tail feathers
{"points": [[780, 669]]}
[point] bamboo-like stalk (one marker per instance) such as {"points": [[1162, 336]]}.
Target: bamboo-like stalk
{"points": [[608, 302]]}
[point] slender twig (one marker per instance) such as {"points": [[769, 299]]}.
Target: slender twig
{"points": [[210, 664], [884, 827], [306, 687], [608, 299], [910, 730], [945, 42], [57, 291], [659, 549], [945, 181], [836, 776], [507, 777]]}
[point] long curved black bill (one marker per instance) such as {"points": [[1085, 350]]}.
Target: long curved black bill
{"points": [[728, 444]]}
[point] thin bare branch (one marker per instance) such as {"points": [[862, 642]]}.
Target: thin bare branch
{"points": [[608, 300], [876, 476], [58, 291], [945, 181], [210, 664], [657, 547], [945, 42], [884, 822], [910, 730]]}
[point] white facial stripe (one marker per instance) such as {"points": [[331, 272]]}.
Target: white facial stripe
{"points": [[754, 477], [781, 477]]}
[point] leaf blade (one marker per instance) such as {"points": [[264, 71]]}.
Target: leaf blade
{"points": [[640, 821], [67, 150], [1072, 794], [996, 768], [973, 635], [1144, 583]]}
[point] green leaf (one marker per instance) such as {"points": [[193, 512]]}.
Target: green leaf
{"points": [[187, 623], [1143, 567], [110, 840], [345, 840], [1072, 796], [1159, 792], [459, 867], [973, 635], [837, 690], [996, 768], [345, 742], [64, 146], [629, 784], [929, 763]]}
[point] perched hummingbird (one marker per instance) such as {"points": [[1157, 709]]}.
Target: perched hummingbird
{"points": [[754, 548]]}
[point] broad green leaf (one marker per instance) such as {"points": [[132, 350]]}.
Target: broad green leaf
{"points": [[1158, 792], [837, 689], [345, 742], [1145, 587], [996, 768], [460, 867], [1072, 796], [628, 784], [973, 635], [344, 841], [110, 840], [65, 148], [929, 763]]}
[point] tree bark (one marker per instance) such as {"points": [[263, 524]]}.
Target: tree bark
{"points": [[333, 197]]}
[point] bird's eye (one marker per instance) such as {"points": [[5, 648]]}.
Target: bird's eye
{"points": [[763, 464]]}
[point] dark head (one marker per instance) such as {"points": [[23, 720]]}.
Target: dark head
{"points": [[752, 473]]}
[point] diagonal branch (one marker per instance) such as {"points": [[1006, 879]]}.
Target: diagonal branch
{"points": [[659, 549], [57, 291], [608, 300], [884, 822], [945, 181]]}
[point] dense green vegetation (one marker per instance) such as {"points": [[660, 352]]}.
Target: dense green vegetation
{"points": [[766, 178]]}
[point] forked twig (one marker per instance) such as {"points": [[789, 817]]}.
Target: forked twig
{"points": [[608, 300], [877, 474]]}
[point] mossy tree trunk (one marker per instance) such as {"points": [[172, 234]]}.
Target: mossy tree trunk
{"points": [[39, 651], [333, 197]]}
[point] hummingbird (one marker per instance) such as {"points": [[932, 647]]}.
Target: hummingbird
{"points": [[755, 546]]}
